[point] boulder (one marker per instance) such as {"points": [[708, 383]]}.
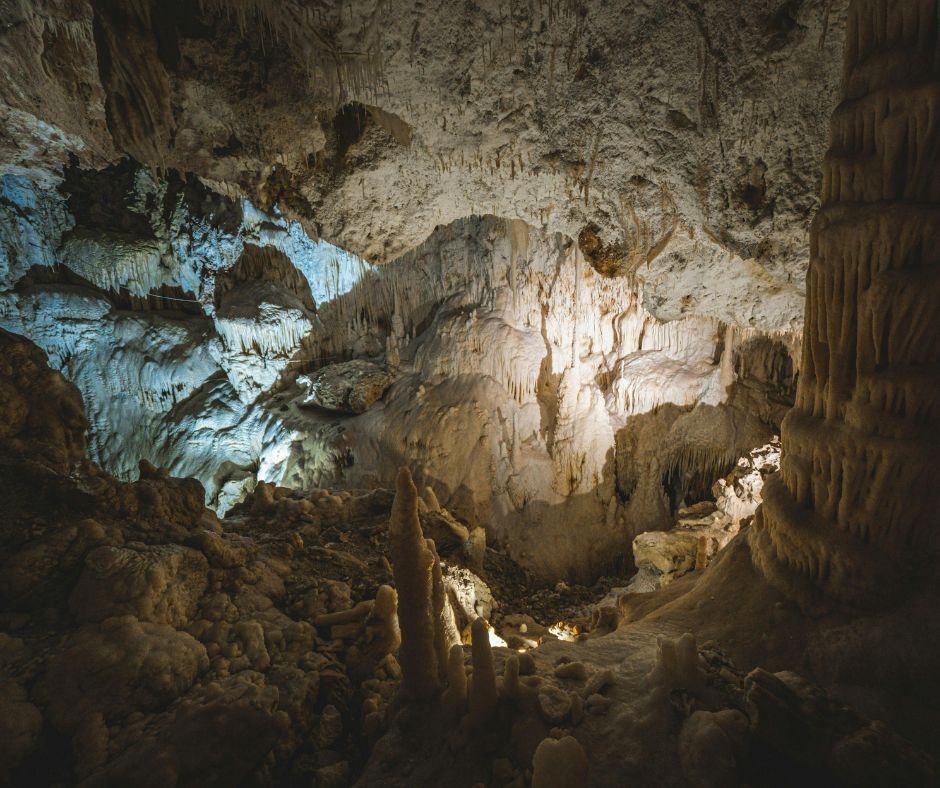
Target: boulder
{"points": [[349, 387]]}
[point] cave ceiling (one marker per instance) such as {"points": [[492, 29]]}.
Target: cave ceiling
{"points": [[678, 142]]}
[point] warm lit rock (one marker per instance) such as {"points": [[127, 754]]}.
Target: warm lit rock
{"points": [[349, 387]]}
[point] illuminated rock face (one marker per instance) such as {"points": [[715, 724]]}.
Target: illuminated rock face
{"points": [[702, 530], [855, 506], [171, 308], [537, 397], [347, 387], [541, 387], [176, 311]]}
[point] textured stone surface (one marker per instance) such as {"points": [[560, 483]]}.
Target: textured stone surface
{"points": [[677, 143], [151, 644], [663, 556], [541, 389], [349, 387], [590, 422], [181, 309]]}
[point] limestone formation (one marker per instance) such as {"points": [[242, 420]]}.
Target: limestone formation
{"points": [[454, 696], [143, 626], [677, 663], [413, 563], [573, 241], [559, 763], [382, 628], [349, 387], [444, 636], [276, 656], [482, 694], [210, 302], [177, 293], [856, 501], [702, 530], [373, 148]]}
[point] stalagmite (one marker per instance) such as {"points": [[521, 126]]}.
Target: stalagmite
{"points": [[454, 697], [566, 388], [431, 500], [510, 686], [413, 565], [559, 763], [856, 502], [483, 682], [382, 624], [439, 610], [677, 664], [701, 554]]}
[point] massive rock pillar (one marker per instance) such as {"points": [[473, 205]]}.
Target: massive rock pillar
{"points": [[857, 503]]}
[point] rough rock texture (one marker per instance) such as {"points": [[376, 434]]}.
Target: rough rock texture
{"points": [[259, 682], [540, 399], [172, 309], [41, 413], [632, 707], [187, 315], [679, 143], [176, 294], [412, 561], [349, 387], [143, 643], [703, 529]]}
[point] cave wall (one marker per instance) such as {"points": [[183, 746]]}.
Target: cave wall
{"points": [[539, 398], [114, 275], [644, 296]]}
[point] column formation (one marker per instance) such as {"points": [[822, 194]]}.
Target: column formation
{"points": [[856, 507]]}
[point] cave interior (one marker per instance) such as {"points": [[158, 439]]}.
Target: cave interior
{"points": [[488, 394]]}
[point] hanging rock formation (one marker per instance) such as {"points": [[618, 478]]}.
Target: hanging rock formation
{"points": [[585, 233]]}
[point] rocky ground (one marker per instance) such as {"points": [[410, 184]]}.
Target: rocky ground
{"points": [[146, 642], [139, 634]]}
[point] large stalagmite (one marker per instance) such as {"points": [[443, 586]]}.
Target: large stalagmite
{"points": [[413, 562], [856, 503]]}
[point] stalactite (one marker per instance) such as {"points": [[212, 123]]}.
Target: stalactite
{"points": [[299, 26]]}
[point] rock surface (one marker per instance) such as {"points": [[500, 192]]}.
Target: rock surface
{"points": [[679, 144], [120, 663], [629, 319], [143, 642], [703, 529], [577, 365], [592, 422], [349, 387]]}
